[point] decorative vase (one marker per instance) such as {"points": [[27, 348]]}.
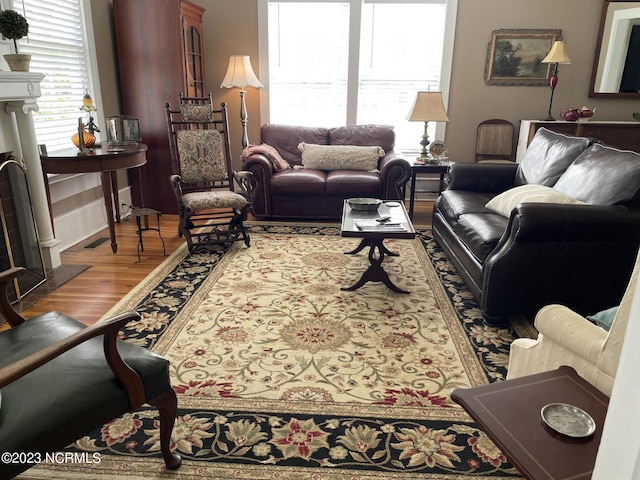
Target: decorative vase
{"points": [[18, 62], [89, 139]]}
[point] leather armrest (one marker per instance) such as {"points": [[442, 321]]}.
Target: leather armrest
{"points": [[482, 177], [262, 170], [395, 172], [544, 222]]}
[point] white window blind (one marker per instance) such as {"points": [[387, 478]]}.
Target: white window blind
{"points": [[57, 44], [327, 68]]}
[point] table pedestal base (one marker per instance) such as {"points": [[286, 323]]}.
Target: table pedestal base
{"points": [[375, 272]]}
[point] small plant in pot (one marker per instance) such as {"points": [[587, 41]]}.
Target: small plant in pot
{"points": [[14, 26]]}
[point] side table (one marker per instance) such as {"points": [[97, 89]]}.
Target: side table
{"points": [[439, 168], [145, 212], [509, 413]]}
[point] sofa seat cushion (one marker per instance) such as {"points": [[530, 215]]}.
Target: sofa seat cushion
{"points": [[547, 157], [603, 175], [455, 203], [298, 181], [480, 232], [356, 183]]}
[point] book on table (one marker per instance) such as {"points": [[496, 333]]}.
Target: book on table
{"points": [[377, 226]]}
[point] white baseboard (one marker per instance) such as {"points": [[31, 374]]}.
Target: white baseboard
{"points": [[75, 226]]}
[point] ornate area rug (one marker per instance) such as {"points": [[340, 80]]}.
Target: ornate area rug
{"points": [[282, 375]]}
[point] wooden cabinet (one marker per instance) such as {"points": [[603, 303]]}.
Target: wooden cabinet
{"points": [[624, 135], [160, 54]]}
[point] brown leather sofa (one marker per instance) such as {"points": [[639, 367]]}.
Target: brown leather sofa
{"points": [[578, 255], [300, 192]]}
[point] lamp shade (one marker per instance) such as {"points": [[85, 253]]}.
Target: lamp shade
{"points": [[558, 53], [240, 74], [428, 106]]}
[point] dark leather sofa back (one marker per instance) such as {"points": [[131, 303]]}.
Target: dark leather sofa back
{"points": [[286, 138]]}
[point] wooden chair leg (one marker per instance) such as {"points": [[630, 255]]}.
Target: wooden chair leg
{"points": [[167, 405]]}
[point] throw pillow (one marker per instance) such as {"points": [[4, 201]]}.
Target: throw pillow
{"points": [[602, 175], [340, 157], [547, 157], [604, 318], [507, 201]]}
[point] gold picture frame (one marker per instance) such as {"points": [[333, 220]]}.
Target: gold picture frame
{"points": [[514, 56]]}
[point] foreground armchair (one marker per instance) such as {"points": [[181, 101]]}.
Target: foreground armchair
{"points": [[60, 379], [566, 338]]}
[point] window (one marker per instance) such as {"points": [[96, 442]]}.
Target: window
{"points": [[59, 47], [329, 63]]}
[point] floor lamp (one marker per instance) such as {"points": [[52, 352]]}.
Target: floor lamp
{"points": [[557, 55], [240, 75], [428, 106]]}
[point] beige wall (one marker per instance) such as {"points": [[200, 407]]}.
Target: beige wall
{"points": [[231, 27]]}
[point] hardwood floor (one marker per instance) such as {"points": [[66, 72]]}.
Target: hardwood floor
{"points": [[109, 277]]}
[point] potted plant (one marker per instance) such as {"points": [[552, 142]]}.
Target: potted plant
{"points": [[14, 26]]}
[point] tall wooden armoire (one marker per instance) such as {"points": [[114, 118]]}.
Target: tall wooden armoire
{"points": [[160, 54]]}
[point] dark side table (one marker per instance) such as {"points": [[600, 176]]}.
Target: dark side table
{"points": [[509, 413], [440, 167]]}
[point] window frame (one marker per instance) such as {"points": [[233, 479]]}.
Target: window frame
{"points": [[91, 63], [354, 47]]}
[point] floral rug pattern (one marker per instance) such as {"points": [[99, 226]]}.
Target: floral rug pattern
{"points": [[280, 374]]}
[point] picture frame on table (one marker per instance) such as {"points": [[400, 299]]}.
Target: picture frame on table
{"points": [[514, 56]]}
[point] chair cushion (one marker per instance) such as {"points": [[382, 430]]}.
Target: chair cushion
{"points": [[507, 201], [71, 395], [603, 175], [202, 157], [195, 201], [340, 157], [547, 157]]}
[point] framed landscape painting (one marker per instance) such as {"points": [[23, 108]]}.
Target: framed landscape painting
{"points": [[514, 57]]}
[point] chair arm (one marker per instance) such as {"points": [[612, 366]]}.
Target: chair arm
{"points": [[563, 326], [395, 172], [246, 181], [13, 317], [109, 328], [478, 177]]}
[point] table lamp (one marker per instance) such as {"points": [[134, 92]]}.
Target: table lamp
{"points": [[240, 75], [557, 55], [428, 106]]}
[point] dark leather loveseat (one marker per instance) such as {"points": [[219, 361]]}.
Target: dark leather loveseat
{"points": [[537, 253], [318, 193]]}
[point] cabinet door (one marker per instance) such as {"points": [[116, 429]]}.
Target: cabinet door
{"points": [[193, 49]]}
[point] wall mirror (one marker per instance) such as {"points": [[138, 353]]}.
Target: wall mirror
{"points": [[616, 65]]}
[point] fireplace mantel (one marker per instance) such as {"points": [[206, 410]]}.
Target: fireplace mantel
{"points": [[19, 92]]}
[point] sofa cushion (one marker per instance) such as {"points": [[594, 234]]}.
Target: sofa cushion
{"points": [[340, 157], [547, 157], [298, 181], [286, 138], [480, 232], [382, 135], [603, 175], [454, 203], [353, 183], [507, 201]]}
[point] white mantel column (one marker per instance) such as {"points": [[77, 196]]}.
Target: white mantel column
{"points": [[35, 178], [19, 91]]}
